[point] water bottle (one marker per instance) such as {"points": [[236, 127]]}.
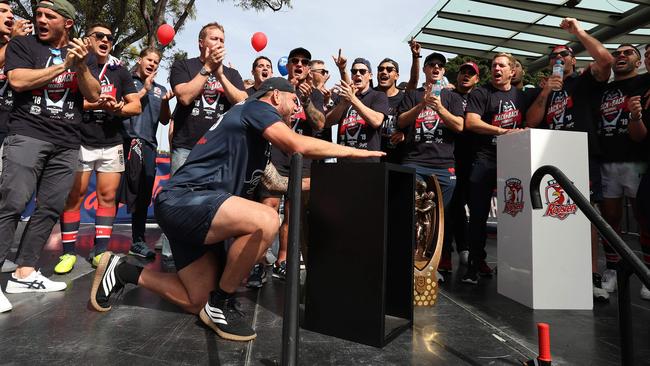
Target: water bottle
{"points": [[558, 69], [436, 89]]}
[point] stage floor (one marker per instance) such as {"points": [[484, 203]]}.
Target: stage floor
{"points": [[470, 325]]}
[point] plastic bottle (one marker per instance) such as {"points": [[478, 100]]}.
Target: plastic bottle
{"points": [[558, 69], [436, 89]]}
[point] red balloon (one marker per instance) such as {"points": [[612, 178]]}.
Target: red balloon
{"points": [[258, 41], [165, 34]]}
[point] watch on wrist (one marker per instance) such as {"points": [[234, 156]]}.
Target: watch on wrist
{"points": [[204, 71], [417, 56]]}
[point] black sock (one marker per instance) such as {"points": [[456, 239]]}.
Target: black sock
{"points": [[128, 273], [219, 295]]}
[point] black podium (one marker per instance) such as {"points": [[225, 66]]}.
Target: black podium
{"points": [[360, 253]]}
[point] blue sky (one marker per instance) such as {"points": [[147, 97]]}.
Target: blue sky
{"points": [[370, 29]]}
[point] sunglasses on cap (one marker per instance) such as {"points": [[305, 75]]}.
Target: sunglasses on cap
{"points": [[298, 60], [388, 69], [359, 71], [627, 52], [563, 53], [102, 35], [321, 71], [56, 56], [435, 64]]}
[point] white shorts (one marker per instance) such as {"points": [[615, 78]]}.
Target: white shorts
{"points": [[621, 179], [101, 159]]}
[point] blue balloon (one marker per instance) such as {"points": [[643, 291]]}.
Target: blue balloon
{"points": [[282, 65]]}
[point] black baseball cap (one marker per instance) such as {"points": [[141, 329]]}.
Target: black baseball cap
{"points": [[270, 84], [299, 51], [436, 56], [361, 60]]}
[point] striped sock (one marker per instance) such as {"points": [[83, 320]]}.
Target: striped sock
{"points": [[103, 228], [69, 229]]}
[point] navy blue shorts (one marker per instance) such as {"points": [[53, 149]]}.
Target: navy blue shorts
{"points": [[185, 216]]}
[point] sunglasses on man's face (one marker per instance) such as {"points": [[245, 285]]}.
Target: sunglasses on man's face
{"points": [[627, 52], [321, 71], [102, 35], [436, 64], [388, 69], [563, 53], [297, 60], [359, 71]]}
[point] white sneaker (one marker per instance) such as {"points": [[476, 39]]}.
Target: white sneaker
{"points": [[609, 280], [645, 293], [600, 294], [464, 257], [8, 266], [5, 305], [35, 282]]}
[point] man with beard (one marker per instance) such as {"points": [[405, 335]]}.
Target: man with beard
{"points": [[262, 70], [208, 201], [623, 159], [494, 109], [101, 150], [360, 110], [391, 137], [456, 220], [307, 120], [566, 104], [50, 78]]}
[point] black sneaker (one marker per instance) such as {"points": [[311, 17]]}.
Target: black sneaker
{"points": [[106, 281], [257, 278], [470, 276], [227, 320], [280, 271], [141, 249]]}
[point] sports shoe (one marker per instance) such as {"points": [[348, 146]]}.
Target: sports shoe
{"points": [[35, 282], [609, 280], [140, 249], [484, 270], [470, 276], [464, 257], [257, 278], [106, 281], [5, 305], [8, 266], [226, 318], [645, 293], [96, 259], [445, 265], [599, 293], [280, 271], [66, 263]]}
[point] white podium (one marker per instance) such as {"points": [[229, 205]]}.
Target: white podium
{"points": [[544, 256]]}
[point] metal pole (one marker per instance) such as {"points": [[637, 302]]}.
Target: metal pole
{"points": [[625, 314], [291, 309]]}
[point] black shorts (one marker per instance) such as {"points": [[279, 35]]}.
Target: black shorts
{"points": [[595, 181], [185, 216]]}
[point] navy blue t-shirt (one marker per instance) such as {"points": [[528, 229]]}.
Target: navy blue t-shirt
{"points": [[145, 125], [232, 155], [431, 142]]}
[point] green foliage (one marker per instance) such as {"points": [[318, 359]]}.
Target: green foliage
{"points": [[453, 65]]}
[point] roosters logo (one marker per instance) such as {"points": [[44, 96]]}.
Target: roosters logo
{"points": [[559, 204], [514, 197]]}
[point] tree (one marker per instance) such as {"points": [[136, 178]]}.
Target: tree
{"points": [[135, 22], [484, 65]]}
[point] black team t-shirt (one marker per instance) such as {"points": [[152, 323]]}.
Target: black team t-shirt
{"points": [[355, 132], [505, 109], [463, 152], [6, 102], [613, 117], [431, 142], [52, 112], [571, 108], [232, 155], [99, 128], [300, 125], [394, 153], [192, 121]]}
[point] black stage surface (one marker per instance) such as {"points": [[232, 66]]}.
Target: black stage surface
{"points": [[470, 325]]}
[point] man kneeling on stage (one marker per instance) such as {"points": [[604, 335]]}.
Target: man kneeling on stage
{"points": [[205, 203]]}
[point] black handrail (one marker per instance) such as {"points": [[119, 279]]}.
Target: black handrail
{"points": [[630, 263], [291, 304]]}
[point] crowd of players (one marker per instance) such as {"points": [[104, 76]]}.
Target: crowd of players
{"points": [[68, 108]]}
